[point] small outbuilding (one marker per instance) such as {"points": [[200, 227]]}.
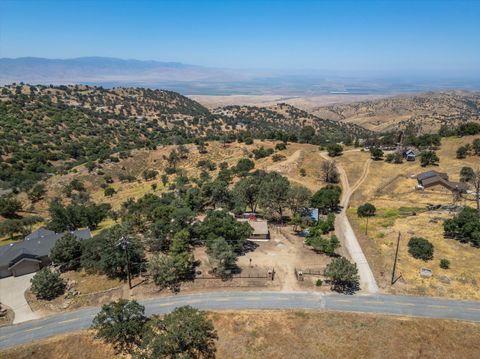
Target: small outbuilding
{"points": [[260, 229]]}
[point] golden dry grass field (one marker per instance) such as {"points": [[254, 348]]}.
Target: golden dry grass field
{"points": [[401, 208], [299, 334]]}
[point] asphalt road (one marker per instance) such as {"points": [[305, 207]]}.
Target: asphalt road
{"points": [[381, 304]]}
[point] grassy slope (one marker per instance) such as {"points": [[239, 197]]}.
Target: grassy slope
{"points": [[391, 189], [299, 334]]}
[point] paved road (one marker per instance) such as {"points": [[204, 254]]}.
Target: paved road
{"points": [[383, 304]]}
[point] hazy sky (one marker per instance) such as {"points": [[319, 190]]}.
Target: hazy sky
{"points": [[333, 35]]}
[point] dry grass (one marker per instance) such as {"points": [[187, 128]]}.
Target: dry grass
{"points": [[391, 188], [300, 334]]}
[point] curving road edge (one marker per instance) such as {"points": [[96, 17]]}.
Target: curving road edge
{"points": [[57, 324]]}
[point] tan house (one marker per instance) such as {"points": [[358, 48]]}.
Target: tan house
{"points": [[438, 181]]}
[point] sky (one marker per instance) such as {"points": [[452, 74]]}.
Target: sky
{"points": [[392, 36]]}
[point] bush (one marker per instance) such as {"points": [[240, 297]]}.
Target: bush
{"points": [[244, 165], [277, 158], [334, 150], [420, 248], [281, 146], [47, 284], [444, 263], [318, 283]]}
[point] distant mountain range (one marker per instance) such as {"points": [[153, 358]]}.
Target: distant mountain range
{"points": [[104, 69], [193, 79]]}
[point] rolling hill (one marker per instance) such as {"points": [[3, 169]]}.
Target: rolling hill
{"points": [[426, 111], [50, 129]]}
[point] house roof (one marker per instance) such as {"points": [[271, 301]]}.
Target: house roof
{"points": [[260, 226], [429, 174], [433, 181], [36, 244]]}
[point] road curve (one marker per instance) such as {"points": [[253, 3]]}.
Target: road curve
{"points": [[27, 332]]}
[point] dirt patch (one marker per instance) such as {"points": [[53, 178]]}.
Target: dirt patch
{"points": [[300, 334]]}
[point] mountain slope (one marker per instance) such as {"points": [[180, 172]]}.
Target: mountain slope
{"points": [[289, 119], [427, 111], [46, 130]]}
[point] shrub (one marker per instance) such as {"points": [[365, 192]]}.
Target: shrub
{"points": [[444, 263], [281, 146], [318, 283], [47, 284], [420, 248], [334, 150], [278, 158]]}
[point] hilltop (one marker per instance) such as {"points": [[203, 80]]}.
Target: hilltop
{"points": [[426, 111]]}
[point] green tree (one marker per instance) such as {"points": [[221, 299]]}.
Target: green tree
{"points": [[274, 193], [343, 275], [327, 199], [121, 324], [67, 252], [428, 158], [109, 192], [9, 206], [334, 150], [298, 198], [323, 245], [37, 192], [243, 166], [420, 248], [76, 215], [222, 256], [184, 333], [462, 152], [365, 211], [465, 226], [246, 193], [376, 153], [47, 284], [104, 253], [164, 272], [222, 224]]}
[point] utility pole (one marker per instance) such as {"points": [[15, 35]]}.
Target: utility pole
{"points": [[395, 261], [124, 244]]}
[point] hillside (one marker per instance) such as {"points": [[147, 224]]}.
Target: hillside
{"points": [[289, 119], [427, 111], [46, 130]]}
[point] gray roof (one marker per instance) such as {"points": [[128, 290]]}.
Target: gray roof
{"points": [[429, 174], [36, 245], [437, 180]]}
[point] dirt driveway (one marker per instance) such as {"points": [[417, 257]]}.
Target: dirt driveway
{"points": [[12, 294]]}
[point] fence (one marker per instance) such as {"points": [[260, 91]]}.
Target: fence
{"points": [[270, 275], [300, 273]]}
